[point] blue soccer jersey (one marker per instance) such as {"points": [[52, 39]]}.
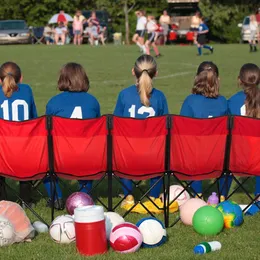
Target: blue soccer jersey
{"points": [[67, 104], [199, 106], [20, 106], [203, 27], [129, 104], [236, 104]]}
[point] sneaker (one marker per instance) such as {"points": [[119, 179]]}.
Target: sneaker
{"points": [[58, 204], [211, 50], [222, 198], [158, 56], [128, 202]]}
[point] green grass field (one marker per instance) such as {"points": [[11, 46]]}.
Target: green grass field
{"points": [[109, 70]]}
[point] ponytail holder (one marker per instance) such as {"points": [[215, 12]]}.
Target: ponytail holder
{"points": [[9, 73], [145, 70]]}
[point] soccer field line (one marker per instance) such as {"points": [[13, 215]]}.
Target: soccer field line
{"points": [[157, 78]]}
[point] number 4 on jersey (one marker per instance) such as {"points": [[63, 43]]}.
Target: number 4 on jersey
{"points": [[77, 113]]}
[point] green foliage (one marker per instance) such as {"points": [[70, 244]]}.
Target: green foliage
{"points": [[224, 18]]}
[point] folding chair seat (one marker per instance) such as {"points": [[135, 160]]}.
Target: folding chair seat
{"points": [[80, 149], [197, 149], [138, 151], [244, 152], [23, 152], [37, 34]]}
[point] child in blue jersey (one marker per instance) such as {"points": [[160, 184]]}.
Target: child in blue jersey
{"points": [[202, 38], [247, 103], [17, 104], [205, 101], [142, 100], [73, 102]]}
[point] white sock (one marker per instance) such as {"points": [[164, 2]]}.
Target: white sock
{"points": [[138, 44], [144, 49]]}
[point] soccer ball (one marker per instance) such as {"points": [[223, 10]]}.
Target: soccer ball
{"points": [[153, 231], [232, 213], [7, 235], [62, 229], [126, 238], [175, 190], [112, 219], [78, 199]]}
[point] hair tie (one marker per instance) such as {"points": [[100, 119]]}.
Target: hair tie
{"points": [[145, 70], [9, 73]]}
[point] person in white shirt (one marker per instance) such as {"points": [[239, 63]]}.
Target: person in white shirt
{"points": [[60, 34], [253, 33], [151, 29], [138, 37]]}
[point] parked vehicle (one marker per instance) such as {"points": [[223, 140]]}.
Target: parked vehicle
{"points": [[14, 31], [181, 12], [245, 30]]}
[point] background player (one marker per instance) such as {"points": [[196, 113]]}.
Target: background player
{"points": [[202, 38], [138, 37], [151, 29]]}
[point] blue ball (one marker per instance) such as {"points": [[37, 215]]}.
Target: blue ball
{"points": [[153, 231], [232, 213]]}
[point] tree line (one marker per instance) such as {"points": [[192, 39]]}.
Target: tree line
{"points": [[223, 15]]}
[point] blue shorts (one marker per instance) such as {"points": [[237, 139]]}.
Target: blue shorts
{"points": [[77, 32]]}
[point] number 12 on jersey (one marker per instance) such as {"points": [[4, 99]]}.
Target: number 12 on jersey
{"points": [[143, 109]]}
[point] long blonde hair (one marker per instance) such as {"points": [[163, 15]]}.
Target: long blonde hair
{"points": [[249, 80], [145, 69], [10, 75]]}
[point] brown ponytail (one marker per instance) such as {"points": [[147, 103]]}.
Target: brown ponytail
{"points": [[249, 80], [145, 69], [206, 82], [10, 75]]}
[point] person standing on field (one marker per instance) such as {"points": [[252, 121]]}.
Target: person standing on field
{"points": [[138, 37], [165, 21], [254, 31]]}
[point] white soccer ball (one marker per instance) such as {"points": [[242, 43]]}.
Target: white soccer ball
{"points": [[112, 219], [7, 234], [175, 190], [62, 229], [153, 232]]}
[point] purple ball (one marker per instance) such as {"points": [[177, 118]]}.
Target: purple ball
{"points": [[76, 200]]}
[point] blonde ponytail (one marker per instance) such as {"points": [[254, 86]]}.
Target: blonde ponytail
{"points": [[9, 85], [145, 69], [145, 87]]}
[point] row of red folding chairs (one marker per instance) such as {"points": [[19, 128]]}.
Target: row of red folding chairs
{"points": [[190, 148]]}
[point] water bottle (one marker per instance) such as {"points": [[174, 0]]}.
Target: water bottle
{"points": [[206, 247], [213, 199], [40, 227]]}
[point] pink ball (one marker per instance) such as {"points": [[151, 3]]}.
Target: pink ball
{"points": [[188, 209], [76, 200], [126, 238]]}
